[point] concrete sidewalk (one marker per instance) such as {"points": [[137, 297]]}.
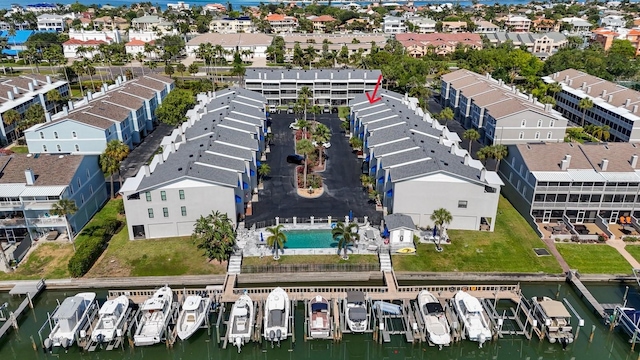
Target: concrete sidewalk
{"points": [[620, 246]]}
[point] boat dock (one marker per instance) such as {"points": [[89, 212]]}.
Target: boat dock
{"points": [[30, 290], [573, 277]]}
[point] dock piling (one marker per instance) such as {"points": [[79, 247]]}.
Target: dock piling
{"points": [[593, 330]]}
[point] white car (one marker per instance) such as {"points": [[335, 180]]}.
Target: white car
{"points": [[325, 145], [294, 126]]}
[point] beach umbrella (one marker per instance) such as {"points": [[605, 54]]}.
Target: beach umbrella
{"points": [[385, 233]]}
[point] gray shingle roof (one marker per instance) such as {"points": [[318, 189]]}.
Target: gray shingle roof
{"points": [[396, 221], [394, 147]]}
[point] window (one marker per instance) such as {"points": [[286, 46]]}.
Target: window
{"points": [[539, 123], [44, 148], [41, 135], [163, 195], [88, 174], [165, 212], [150, 211], [549, 135], [183, 210], [521, 135], [79, 183], [77, 147], [55, 134], [74, 135], [462, 204], [523, 123], [91, 189], [537, 135], [58, 147], [181, 192], [148, 195], [550, 123]]}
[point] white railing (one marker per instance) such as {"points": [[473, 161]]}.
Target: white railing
{"points": [[47, 221], [12, 222]]}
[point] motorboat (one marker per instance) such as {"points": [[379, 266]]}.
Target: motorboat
{"points": [[156, 314], [319, 316], [111, 321], [554, 320], [242, 321], [434, 318], [629, 321], [356, 311], [471, 314], [276, 316], [194, 312], [69, 319], [387, 307]]}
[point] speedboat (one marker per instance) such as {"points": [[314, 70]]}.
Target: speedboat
{"points": [[276, 316], [554, 320], [69, 319], [629, 321], [241, 319], [112, 318], [472, 316], [434, 319], [319, 310], [356, 311], [194, 311], [155, 318]]}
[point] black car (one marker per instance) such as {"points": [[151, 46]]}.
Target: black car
{"points": [[295, 159]]}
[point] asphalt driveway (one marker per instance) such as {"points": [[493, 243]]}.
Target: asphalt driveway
{"points": [[343, 190]]}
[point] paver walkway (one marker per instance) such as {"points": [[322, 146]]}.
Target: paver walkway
{"points": [[620, 246], [552, 247]]}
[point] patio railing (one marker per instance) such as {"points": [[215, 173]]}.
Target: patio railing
{"points": [[293, 268]]}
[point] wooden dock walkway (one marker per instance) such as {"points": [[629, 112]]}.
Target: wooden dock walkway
{"points": [[573, 277], [31, 289]]}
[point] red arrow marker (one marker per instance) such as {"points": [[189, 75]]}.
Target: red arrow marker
{"points": [[372, 98]]}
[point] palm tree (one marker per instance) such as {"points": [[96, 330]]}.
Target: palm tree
{"points": [[345, 235], [264, 170], [181, 68], [54, 96], [111, 157], [140, 58], [584, 105], [471, 135], [304, 147], [554, 88], [152, 65], [499, 152], [215, 234], [601, 132], [11, 117], [315, 110], [65, 208], [440, 217], [446, 114], [276, 240], [304, 97], [321, 135], [303, 124], [78, 68]]}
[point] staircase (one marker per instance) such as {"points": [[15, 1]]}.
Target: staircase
{"points": [[385, 261], [235, 264]]}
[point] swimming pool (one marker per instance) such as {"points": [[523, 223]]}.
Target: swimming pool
{"points": [[309, 239]]}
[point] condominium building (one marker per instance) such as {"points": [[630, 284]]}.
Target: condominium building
{"points": [[517, 23], [418, 45], [335, 43], [19, 93], [419, 166], [454, 26], [108, 23], [242, 24], [282, 23], [422, 25], [578, 25], [570, 183], [124, 111], [88, 40], [208, 164], [486, 27], [320, 22], [329, 87], [541, 45], [257, 44], [151, 23], [614, 105], [30, 185], [394, 25], [51, 22], [501, 114]]}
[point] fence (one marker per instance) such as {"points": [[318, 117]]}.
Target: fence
{"points": [[300, 220], [293, 268]]}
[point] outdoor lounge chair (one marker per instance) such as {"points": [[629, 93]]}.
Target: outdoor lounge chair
{"points": [[628, 219], [623, 220], [372, 247]]}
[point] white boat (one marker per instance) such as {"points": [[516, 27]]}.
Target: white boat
{"points": [[553, 319], [434, 319], [194, 311], [356, 311], [472, 316], [387, 307], [276, 316], [242, 321], [319, 311], [156, 314], [70, 317], [112, 318]]}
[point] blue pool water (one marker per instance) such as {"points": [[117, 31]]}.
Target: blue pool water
{"points": [[309, 239]]}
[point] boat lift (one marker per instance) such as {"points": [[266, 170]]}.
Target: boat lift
{"points": [[307, 322], [43, 333], [118, 342], [510, 322], [390, 321], [371, 318]]}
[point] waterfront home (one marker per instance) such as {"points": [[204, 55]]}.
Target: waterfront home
{"points": [[51, 22]]}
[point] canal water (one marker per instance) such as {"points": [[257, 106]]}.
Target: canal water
{"points": [[605, 345]]}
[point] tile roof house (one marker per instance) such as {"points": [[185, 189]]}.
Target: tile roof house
{"points": [[418, 45], [541, 45]]}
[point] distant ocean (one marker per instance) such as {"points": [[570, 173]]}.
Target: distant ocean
{"points": [[238, 3]]}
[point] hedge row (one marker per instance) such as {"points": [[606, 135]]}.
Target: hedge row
{"points": [[96, 237]]}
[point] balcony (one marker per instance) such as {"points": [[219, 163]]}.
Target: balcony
{"points": [[39, 204], [15, 222], [10, 204], [47, 221]]}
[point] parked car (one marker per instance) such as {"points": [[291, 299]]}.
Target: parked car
{"points": [[325, 145], [294, 126], [295, 159]]}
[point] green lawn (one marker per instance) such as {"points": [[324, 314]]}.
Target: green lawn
{"points": [[48, 260], [508, 249], [634, 250], [310, 259], [594, 258], [20, 149]]}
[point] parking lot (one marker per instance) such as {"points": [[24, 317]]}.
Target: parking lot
{"points": [[343, 190]]}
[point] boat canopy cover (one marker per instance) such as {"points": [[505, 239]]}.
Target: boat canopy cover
{"points": [[387, 307], [109, 307], [192, 302], [433, 308], [69, 307], [319, 306], [355, 297], [554, 309], [357, 314]]}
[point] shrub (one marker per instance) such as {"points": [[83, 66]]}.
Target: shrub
{"points": [[120, 207], [630, 238], [93, 241]]}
